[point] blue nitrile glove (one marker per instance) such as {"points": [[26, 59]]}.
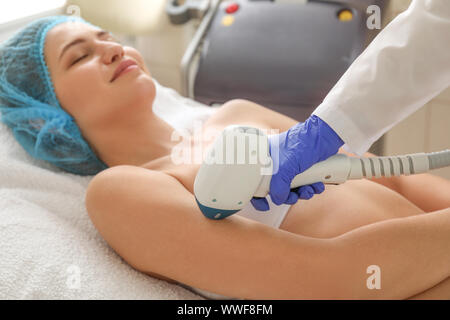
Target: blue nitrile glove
{"points": [[293, 152]]}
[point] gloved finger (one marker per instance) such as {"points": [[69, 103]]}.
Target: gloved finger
{"points": [[260, 204], [292, 198], [305, 192], [279, 190], [318, 187]]}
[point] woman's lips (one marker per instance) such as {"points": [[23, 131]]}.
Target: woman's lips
{"points": [[127, 69], [124, 66]]}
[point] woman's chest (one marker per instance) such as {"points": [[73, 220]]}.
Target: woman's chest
{"points": [[187, 156]]}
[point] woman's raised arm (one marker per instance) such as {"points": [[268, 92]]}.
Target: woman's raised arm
{"points": [[426, 190], [153, 222]]}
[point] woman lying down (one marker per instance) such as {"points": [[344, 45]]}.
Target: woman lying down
{"points": [[64, 98]]}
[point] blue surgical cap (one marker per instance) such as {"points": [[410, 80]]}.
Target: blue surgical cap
{"points": [[29, 105]]}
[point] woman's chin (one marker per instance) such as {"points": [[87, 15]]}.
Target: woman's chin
{"points": [[141, 90]]}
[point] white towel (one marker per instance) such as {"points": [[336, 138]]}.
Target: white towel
{"points": [[49, 247]]}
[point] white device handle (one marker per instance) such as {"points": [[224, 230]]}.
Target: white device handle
{"points": [[334, 170], [338, 168]]}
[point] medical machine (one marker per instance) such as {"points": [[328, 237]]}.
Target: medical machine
{"points": [[238, 167], [285, 55]]}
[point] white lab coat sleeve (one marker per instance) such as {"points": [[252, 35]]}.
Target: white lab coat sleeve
{"points": [[404, 67]]}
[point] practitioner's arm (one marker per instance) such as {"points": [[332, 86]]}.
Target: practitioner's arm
{"points": [[403, 68], [153, 222]]}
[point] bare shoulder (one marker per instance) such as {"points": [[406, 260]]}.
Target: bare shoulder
{"points": [[127, 189], [245, 111], [116, 184], [123, 178], [109, 190]]}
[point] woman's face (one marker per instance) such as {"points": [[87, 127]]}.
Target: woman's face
{"points": [[82, 72]]}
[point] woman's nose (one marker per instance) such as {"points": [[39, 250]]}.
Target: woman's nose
{"points": [[112, 53]]}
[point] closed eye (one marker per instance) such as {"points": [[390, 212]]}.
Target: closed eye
{"points": [[79, 59], [112, 39]]}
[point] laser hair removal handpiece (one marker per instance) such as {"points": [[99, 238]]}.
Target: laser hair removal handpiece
{"points": [[238, 167]]}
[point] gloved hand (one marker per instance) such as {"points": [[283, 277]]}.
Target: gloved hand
{"points": [[293, 152]]}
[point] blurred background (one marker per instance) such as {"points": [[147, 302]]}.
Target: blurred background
{"points": [[283, 54]]}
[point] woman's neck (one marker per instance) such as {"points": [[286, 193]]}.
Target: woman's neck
{"points": [[137, 144]]}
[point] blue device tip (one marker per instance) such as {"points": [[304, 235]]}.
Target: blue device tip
{"points": [[213, 213]]}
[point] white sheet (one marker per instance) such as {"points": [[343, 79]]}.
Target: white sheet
{"points": [[49, 247]]}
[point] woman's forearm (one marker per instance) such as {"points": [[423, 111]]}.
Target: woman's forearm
{"points": [[413, 254], [427, 191]]}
